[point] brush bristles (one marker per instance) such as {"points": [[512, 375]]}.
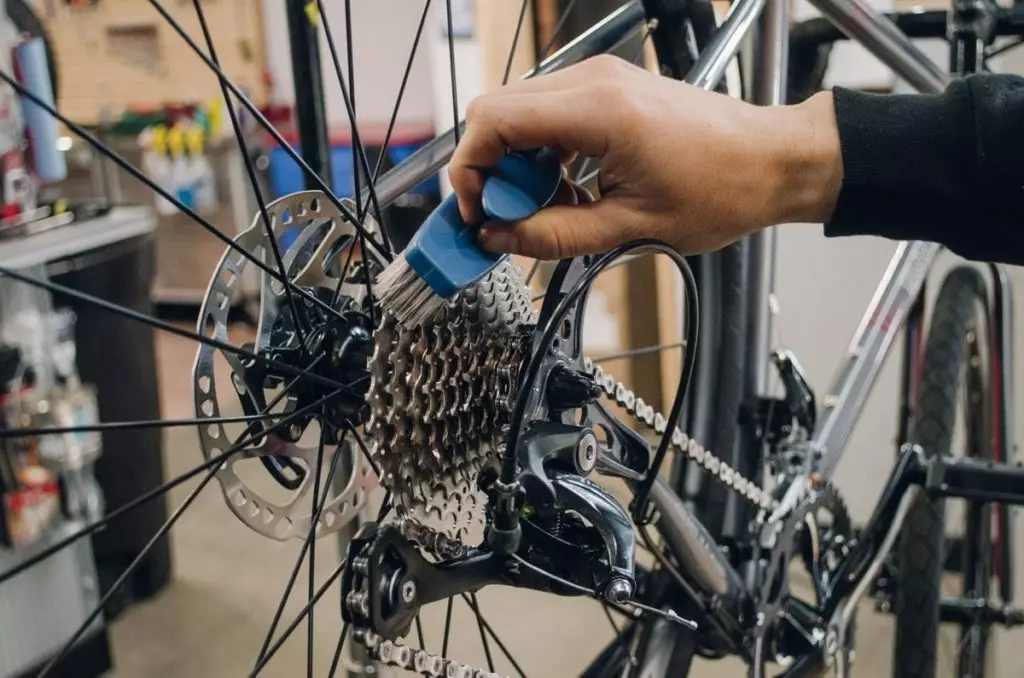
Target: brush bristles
{"points": [[403, 293]]}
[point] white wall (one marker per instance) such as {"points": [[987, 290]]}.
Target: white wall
{"points": [[382, 36]]}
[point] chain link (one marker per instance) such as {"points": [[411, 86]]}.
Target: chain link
{"points": [[422, 662], [646, 415]]}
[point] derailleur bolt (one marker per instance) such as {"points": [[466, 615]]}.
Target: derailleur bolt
{"points": [[408, 591], [619, 591]]}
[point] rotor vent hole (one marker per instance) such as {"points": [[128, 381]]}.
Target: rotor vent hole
{"points": [[239, 498], [300, 210], [268, 516], [284, 527], [222, 301], [213, 431], [329, 518], [207, 408], [566, 328], [228, 277], [204, 384], [314, 205], [286, 218]]}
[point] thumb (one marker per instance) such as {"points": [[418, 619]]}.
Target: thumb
{"points": [[560, 232]]}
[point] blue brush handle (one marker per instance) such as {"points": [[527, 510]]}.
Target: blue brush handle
{"points": [[444, 252]]}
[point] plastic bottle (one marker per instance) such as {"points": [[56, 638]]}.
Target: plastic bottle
{"points": [[157, 166], [181, 179], [200, 170], [41, 127]]}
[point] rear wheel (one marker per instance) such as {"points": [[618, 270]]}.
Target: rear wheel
{"points": [[282, 413], [954, 379]]}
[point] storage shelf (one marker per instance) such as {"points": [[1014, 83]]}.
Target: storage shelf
{"points": [[121, 223]]}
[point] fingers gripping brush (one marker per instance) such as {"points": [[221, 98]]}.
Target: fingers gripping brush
{"points": [[443, 258]]}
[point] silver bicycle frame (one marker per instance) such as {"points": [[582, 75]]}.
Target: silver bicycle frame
{"points": [[767, 22]]}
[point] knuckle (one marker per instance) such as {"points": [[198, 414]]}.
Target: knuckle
{"points": [[478, 109], [606, 65]]}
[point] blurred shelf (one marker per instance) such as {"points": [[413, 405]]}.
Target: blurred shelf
{"points": [[121, 223]]}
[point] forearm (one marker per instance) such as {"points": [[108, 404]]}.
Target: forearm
{"points": [[947, 168]]}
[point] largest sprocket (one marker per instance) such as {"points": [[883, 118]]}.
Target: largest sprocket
{"points": [[440, 396]]}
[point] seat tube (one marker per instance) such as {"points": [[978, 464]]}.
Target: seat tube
{"points": [[770, 67], [768, 88]]}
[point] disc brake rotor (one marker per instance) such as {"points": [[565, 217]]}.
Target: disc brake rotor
{"points": [[313, 261]]}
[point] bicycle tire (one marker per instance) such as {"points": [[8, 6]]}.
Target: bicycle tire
{"points": [[921, 546]]}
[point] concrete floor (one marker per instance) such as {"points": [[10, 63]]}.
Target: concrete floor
{"points": [[212, 619]]}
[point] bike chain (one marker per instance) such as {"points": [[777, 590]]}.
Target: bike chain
{"points": [[402, 656], [646, 414]]}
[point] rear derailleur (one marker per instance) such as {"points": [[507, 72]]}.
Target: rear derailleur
{"points": [[576, 539]]}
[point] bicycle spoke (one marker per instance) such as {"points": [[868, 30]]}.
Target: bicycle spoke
{"points": [[120, 161], [351, 95], [543, 54], [533, 271], [483, 634], [159, 491], [315, 512], [56, 288], [116, 586], [298, 620], [131, 425], [306, 544], [447, 627], [581, 174], [366, 452], [419, 633], [385, 507], [639, 351], [451, 70], [337, 650], [494, 636], [383, 249], [251, 172], [358, 151], [611, 620], [515, 42], [401, 92]]}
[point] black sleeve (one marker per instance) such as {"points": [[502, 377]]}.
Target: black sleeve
{"points": [[945, 167]]}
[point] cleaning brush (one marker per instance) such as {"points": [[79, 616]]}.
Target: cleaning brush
{"points": [[443, 257]]}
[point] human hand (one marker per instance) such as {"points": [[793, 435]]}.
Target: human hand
{"points": [[693, 168]]}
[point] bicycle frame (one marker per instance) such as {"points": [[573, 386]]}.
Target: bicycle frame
{"points": [[897, 299]]}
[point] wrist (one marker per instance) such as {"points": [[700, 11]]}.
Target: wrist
{"points": [[807, 161]]}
